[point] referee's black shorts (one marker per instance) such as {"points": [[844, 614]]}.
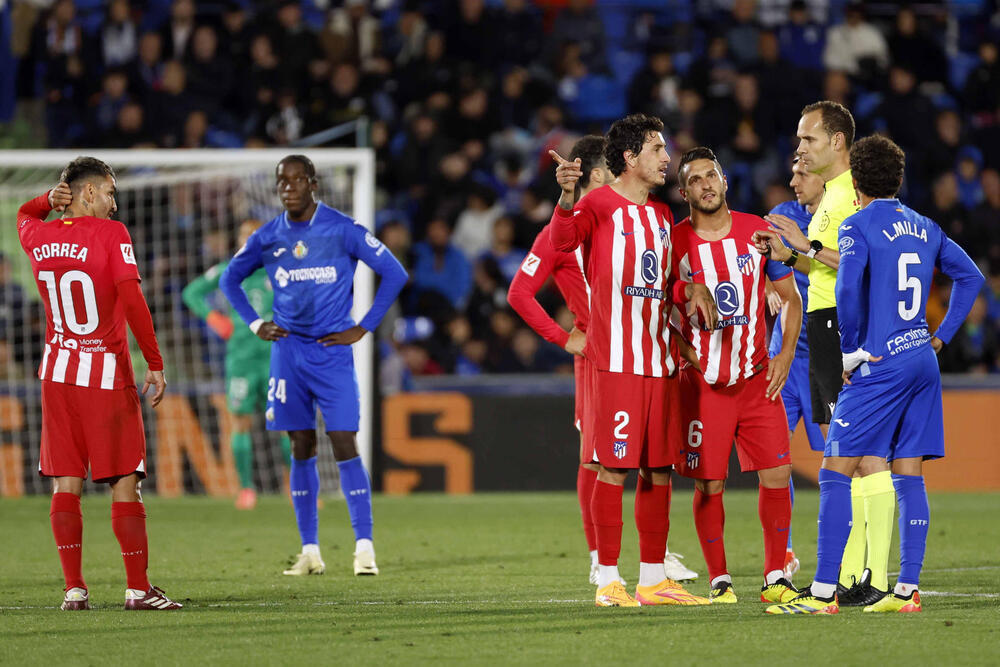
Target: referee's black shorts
{"points": [[825, 362]]}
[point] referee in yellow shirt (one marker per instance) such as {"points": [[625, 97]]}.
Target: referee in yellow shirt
{"points": [[825, 133]]}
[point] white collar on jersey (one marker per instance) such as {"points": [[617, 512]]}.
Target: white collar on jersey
{"points": [[284, 216]]}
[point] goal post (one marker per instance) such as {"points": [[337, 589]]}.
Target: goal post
{"points": [[182, 208]]}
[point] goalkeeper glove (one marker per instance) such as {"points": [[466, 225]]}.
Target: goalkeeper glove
{"points": [[220, 324]]}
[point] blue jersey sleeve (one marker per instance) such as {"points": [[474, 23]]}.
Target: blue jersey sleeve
{"points": [[365, 247], [957, 265], [850, 276], [776, 270], [244, 263]]}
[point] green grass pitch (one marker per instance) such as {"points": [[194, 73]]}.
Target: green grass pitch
{"points": [[483, 579]]}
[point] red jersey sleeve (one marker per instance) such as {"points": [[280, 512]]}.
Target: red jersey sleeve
{"points": [[121, 256], [571, 228], [534, 271], [31, 214], [140, 321]]}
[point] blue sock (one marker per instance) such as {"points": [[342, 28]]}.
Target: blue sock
{"points": [[304, 483], [791, 495], [914, 521], [834, 524], [357, 490]]}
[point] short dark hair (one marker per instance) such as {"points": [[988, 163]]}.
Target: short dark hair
{"points": [[306, 163], [628, 134], [590, 150], [696, 153], [877, 165], [84, 169], [836, 118]]}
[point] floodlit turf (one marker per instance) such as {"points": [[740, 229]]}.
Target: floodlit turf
{"points": [[486, 579]]}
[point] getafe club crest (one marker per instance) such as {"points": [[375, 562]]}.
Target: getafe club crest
{"points": [[300, 250]]}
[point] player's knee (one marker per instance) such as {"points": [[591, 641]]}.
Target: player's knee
{"points": [[710, 486], [775, 478], [344, 445], [870, 465], [614, 476], [303, 444]]}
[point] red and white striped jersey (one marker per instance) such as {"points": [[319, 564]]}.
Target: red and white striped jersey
{"points": [[627, 258], [78, 263], [734, 272], [567, 271]]}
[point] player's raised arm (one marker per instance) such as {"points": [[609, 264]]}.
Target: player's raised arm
{"points": [[570, 226], [37, 209], [362, 245], [534, 271], [957, 265]]}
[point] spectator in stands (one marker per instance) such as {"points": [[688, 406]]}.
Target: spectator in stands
{"points": [[171, 105], [967, 168], [982, 87], [177, 32], [908, 113], [518, 34], [129, 130], [984, 220], [802, 40], [474, 226], [104, 108], [146, 71], [297, 44], [916, 49], [941, 150], [209, 77], [974, 348], [653, 90], [837, 88], [946, 210], [502, 250], [438, 266], [470, 34], [579, 22], [743, 32], [713, 74], [20, 321], [856, 46], [119, 35], [489, 294], [352, 35], [235, 34], [781, 82]]}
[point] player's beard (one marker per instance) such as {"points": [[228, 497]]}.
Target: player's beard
{"points": [[709, 208]]}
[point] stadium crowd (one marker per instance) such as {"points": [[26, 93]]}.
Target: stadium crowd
{"points": [[463, 100]]}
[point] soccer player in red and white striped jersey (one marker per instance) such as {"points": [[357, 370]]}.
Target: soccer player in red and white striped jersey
{"points": [[734, 393], [566, 269], [632, 419], [87, 276]]}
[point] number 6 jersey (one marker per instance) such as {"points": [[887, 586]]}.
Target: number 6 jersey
{"points": [[78, 264], [626, 260]]}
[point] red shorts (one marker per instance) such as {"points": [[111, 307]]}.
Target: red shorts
{"points": [[632, 421], [96, 428], [715, 417]]}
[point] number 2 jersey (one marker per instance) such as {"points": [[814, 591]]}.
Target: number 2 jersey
{"points": [[888, 253], [79, 266], [734, 273], [626, 260]]}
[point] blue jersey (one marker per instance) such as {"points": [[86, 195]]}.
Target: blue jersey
{"points": [[311, 267], [801, 216], [888, 253]]}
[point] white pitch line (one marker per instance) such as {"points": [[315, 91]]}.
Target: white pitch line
{"points": [[955, 569], [410, 603]]}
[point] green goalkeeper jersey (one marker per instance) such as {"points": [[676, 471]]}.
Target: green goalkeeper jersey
{"points": [[244, 346]]}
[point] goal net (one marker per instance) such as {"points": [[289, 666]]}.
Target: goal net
{"points": [[182, 209]]}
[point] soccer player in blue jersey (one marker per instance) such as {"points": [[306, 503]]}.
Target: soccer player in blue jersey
{"points": [[310, 253], [808, 188], [890, 405]]}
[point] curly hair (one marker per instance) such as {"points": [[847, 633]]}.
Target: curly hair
{"points": [[628, 134], [696, 153], [590, 150], [877, 165], [84, 169], [836, 118]]}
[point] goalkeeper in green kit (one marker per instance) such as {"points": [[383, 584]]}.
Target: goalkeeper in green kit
{"points": [[247, 362]]}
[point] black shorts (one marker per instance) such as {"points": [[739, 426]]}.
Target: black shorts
{"points": [[826, 366]]}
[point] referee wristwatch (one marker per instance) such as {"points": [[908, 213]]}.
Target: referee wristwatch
{"points": [[814, 247], [792, 258]]}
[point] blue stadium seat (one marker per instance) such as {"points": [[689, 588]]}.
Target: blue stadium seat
{"points": [[866, 104], [960, 66], [599, 98], [624, 64]]}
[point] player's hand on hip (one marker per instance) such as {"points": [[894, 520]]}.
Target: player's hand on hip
{"points": [[789, 229], [777, 374], [854, 359], [700, 302], [271, 331], [937, 344], [567, 173], [60, 197], [345, 337], [576, 342], [154, 379]]}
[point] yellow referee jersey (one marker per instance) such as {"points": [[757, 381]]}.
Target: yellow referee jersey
{"points": [[839, 201]]}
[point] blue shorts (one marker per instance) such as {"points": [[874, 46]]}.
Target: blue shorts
{"points": [[798, 402], [305, 375], [892, 410]]}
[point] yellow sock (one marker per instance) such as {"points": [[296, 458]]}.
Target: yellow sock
{"points": [[853, 562], [880, 508]]}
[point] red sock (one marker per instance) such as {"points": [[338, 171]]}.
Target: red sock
{"points": [[710, 522], [606, 508], [128, 521], [67, 527], [775, 509], [585, 480], [652, 519]]}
